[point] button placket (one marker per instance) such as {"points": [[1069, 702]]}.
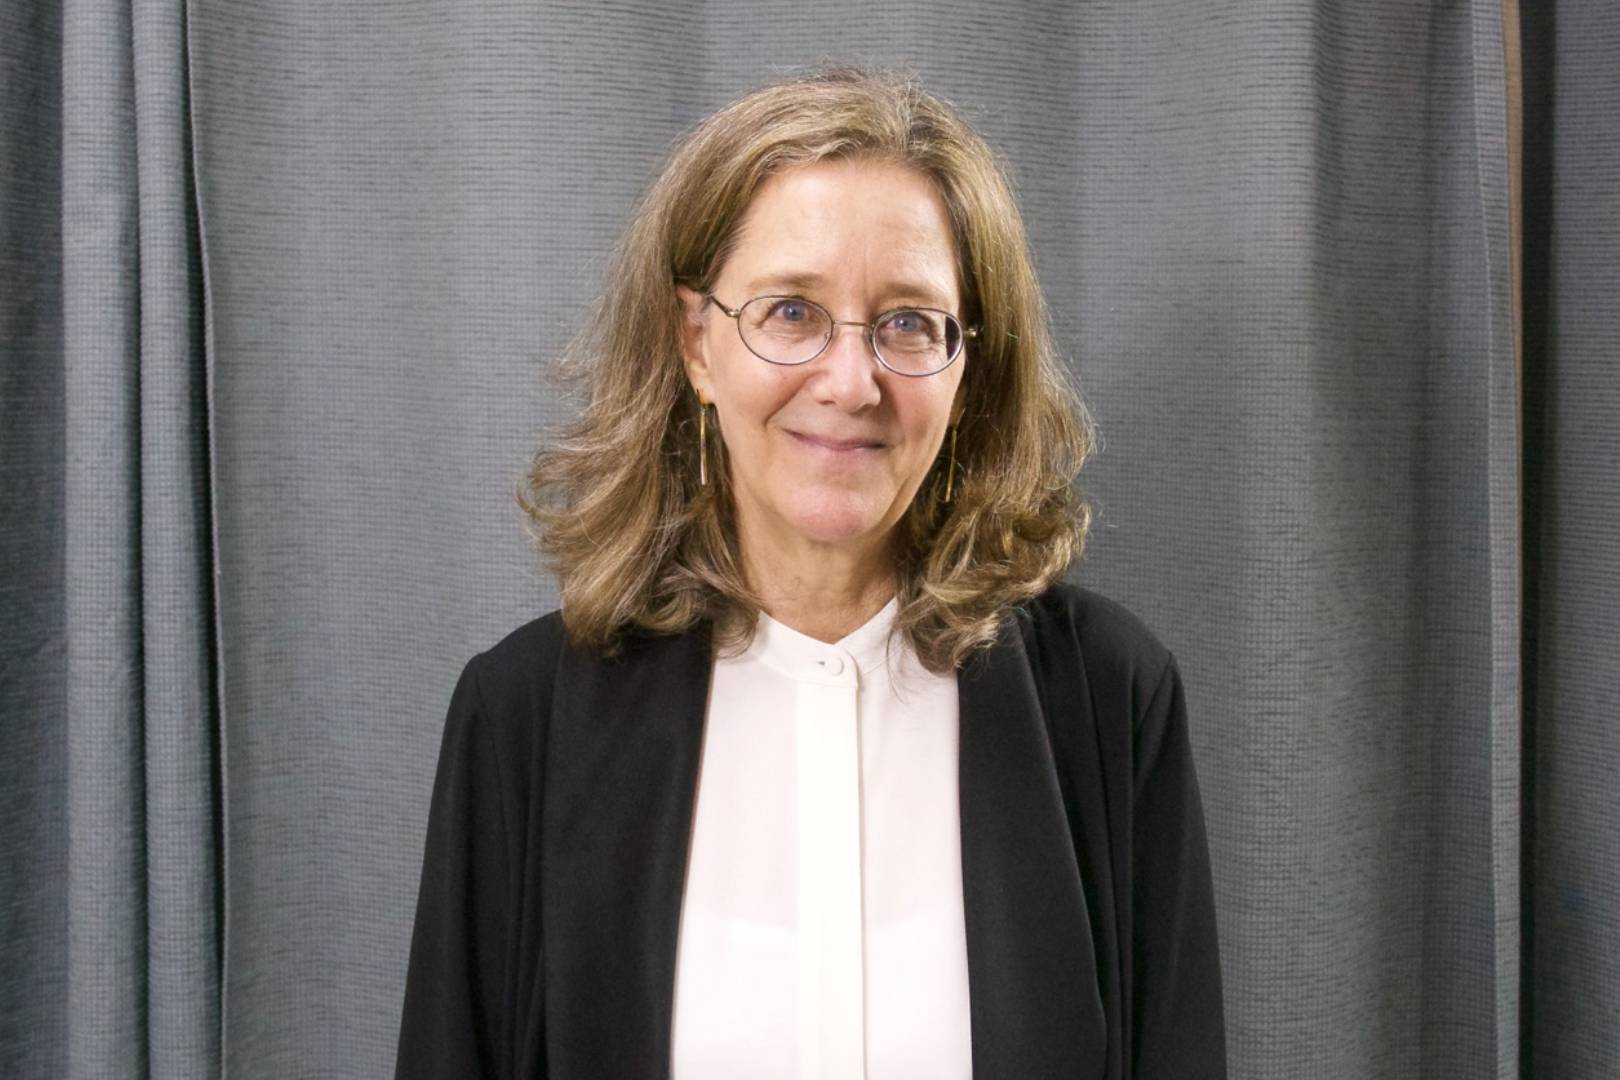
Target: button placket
{"points": [[831, 939]]}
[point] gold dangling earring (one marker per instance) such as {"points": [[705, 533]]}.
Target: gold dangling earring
{"points": [[703, 442], [950, 466]]}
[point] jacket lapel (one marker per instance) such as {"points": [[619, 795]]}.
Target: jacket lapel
{"points": [[617, 821], [1032, 972], [628, 737]]}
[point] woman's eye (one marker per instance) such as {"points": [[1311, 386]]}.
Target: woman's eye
{"points": [[789, 310], [911, 322]]}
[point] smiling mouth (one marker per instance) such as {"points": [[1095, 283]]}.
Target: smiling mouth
{"points": [[835, 448]]}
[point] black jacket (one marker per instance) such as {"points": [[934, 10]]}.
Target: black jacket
{"points": [[557, 839]]}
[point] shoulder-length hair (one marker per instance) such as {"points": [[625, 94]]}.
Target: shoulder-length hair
{"points": [[615, 503]]}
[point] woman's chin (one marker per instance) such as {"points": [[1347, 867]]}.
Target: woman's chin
{"points": [[835, 518]]}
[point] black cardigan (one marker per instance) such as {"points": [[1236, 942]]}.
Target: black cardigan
{"points": [[555, 861]]}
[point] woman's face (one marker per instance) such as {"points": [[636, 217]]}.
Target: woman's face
{"points": [[858, 238]]}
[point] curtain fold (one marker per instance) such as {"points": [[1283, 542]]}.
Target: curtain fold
{"points": [[1572, 513], [33, 669], [278, 287], [182, 780], [112, 869]]}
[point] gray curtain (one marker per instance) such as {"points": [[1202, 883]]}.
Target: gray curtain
{"points": [[278, 288], [1571, 1002], [110, 872]]}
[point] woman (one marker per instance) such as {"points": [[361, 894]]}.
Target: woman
{"points": [[821, 770]]}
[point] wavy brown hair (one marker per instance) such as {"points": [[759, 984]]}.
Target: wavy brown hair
{"points": [[616, 508]]}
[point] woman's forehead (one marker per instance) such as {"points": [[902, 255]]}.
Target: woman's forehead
{"points": [[924, 289], [875, 225]]}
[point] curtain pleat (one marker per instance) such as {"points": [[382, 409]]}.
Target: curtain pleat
{"points": [[184, 860], [106, 849], [1572, 511], [124, 896], [33, 667]]}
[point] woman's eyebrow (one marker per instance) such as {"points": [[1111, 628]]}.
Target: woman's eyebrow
{"points": [[907, 290]]}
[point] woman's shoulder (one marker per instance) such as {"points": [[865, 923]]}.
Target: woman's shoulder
{"points": [[524, 667], [518, 671], [539, 638], [1113, 644]]}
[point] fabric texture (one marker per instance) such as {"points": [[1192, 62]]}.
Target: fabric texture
{"points": [[557, 842], [821, 929], [110, 867], [1572, 540]]}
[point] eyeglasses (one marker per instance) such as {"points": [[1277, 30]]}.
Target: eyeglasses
{"points": [[791, 330]]}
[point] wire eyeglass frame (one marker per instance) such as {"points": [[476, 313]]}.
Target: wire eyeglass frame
{"points": [[870, 328]]}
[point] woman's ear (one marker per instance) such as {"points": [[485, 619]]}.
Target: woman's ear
{"points": [[693, 355]]}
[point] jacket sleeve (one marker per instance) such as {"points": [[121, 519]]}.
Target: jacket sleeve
{"points": [[453, 1021], [1178, 1020]]}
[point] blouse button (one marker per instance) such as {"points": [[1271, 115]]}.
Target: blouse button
{"points": [[833, 664]]}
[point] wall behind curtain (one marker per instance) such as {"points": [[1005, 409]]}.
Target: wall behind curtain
{"points": [[252, 553]]}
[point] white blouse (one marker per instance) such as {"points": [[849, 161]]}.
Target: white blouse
{"points": [[821, 930]]}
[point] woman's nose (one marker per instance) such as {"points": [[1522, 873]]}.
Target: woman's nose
{"points": [[850, 366]]}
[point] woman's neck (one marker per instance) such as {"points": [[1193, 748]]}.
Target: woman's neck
{"points": [[823, 593]]}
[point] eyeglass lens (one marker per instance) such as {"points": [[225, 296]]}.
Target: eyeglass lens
{"points": [[788, 330]]}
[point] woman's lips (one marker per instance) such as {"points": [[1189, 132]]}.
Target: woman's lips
{"points": [[836, 448]]}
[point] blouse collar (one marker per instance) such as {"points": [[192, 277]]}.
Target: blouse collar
{"points": [[801, 656]]}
